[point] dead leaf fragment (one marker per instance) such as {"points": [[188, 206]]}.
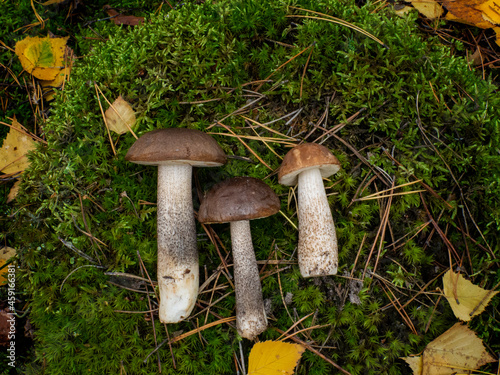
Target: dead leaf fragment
{"points": [[466, 299], [120, 19], [456, 351], [13, 191], [119, 115], [274, 358], [42, 57], [14, 149]]}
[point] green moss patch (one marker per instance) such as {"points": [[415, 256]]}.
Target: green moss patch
{"points": [[408, 112]]}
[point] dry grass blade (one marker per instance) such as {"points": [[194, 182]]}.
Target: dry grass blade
{"points": [[282, 65], [288, 219], [294, 325], [388, 195], [244, 144], [337, 21], [195, 331], [317, 352], [268, 128], [104, 118]]}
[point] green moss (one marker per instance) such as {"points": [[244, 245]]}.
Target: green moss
{"points": [[198, 52]]}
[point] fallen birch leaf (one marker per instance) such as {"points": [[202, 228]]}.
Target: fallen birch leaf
{"points": [[14, 149], [118, 115], [274, 357], [430, 9], [490, 9], [42, 57], [466, 299], [456, 351], [5, 254]]}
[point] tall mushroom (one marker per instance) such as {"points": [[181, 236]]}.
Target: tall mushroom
{"points": [[306, 165], [237, 201], [175, 151]]}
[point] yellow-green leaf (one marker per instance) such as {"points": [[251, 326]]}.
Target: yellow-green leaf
{"points": [[466, 299], [274, 358], [42, 57], [13, 152]]}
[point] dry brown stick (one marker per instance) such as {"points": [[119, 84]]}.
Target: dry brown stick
{"points": [[318, 353]]}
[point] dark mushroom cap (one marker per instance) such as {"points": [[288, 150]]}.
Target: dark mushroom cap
{"points": [[176, 146], [239, 198], [307, 156]]}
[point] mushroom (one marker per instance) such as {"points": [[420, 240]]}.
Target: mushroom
{"points": [[237, 201], [306, 165], [175, 151]]}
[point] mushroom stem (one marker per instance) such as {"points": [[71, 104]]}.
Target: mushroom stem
{"points": [[178, 272], [250, 314], [317, 247]]}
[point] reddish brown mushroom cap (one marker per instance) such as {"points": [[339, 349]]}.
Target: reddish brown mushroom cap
{"points": [[176, 145], [239, 198], [307, 156]]}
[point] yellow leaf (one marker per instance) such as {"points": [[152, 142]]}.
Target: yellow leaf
{"points": [[497, 32], [454, 352], [119, 114], [490, 9], [5, 254], [428, 8], [470, 299], [42, 57], [49, 86], [13, 152], [274, 357]]}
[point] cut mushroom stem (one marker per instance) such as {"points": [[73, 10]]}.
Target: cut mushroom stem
{"points": [[317, 248], [178, 275], [251, 317]]}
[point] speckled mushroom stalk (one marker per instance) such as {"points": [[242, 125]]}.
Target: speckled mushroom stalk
{"points": [[251, 316], [175, 151], [317, 248], [237, 201], [177, 269], [306, 165]]}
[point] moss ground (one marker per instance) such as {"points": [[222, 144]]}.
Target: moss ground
{"points": [[409, 111]]}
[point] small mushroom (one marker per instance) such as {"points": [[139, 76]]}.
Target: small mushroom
{"points": [[175, 151], [306, 165], [237, 201]]}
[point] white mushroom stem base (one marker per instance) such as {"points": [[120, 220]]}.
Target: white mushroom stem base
{"points": [[317, 249], [251, 317], [178, 274]]}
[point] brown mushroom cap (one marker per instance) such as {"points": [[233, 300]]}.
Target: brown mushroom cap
{"points": [[307, 156], [176, 146], [239, 198]]}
